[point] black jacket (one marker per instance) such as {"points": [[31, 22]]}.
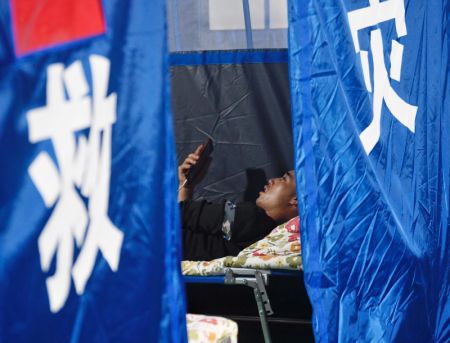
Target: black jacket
{"points": [[203, 238]]}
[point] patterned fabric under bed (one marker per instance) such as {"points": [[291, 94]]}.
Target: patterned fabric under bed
{"points": [[207, 329], [280, 249]]}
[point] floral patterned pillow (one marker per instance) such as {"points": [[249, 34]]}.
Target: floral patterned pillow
{"points": [[207, 329], [281, 249]]}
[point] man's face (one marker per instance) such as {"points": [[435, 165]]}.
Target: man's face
{"points": [[278, 192]]}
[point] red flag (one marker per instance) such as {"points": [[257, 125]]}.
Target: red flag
{"points": [[42, 24]]}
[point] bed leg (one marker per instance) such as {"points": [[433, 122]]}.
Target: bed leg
{"points": [[257, 280], [262, 315]]}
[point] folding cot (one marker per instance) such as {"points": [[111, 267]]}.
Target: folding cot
{"points": [[276, 257]]}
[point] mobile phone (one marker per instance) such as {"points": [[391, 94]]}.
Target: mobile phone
{"points": [[204, 153]]}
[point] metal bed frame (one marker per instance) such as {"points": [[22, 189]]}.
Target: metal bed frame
{"points": [[256, 279]]}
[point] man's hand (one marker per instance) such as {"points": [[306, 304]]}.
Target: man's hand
{"points": [[186, 186]]}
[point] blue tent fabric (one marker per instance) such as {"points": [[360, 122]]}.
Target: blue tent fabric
{"points": [[109, 270], [373, 206]]}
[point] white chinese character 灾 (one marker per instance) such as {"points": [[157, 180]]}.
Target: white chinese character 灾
{"points": [[374, 14], [82, 164]]}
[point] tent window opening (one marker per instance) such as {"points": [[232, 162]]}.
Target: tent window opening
{"points": [[200, 25]]}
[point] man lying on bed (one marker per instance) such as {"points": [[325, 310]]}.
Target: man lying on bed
{"points": [[215, 230]]}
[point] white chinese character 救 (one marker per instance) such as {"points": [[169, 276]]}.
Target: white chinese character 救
{"points": [[374, 14], [82, 164]]}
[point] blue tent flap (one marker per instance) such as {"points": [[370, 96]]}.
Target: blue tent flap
{"points": [[89, 231], [370, 97]]}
